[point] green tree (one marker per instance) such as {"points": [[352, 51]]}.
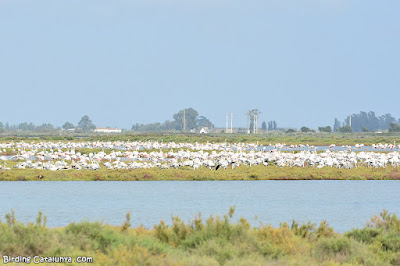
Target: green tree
{"points": [[24, 126], [345, 129], [46, 127], [394, 127], [272, 125], [290, 130], [264, 126], [336, 125], [2, 128], [171, 125], [204, 122], [327, 129], [31, 126], [68, 125], [188, 117], [364, 129], [86, 124], [306, 129]]}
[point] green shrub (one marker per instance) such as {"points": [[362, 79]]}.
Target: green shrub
{"points": [[386, 221], [391, 242], [365, 235], [97, 235], [331, 247]]}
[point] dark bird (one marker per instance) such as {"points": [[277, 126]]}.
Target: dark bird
{"points": [[40, 176], [218, 166]]}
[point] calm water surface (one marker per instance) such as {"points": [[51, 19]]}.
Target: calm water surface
{"points": [[344, 204]]}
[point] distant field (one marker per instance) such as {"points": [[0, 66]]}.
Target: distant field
{"points": [[264, 139]]}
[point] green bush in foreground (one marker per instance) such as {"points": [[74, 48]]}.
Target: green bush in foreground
{"points": [[214, 241]]}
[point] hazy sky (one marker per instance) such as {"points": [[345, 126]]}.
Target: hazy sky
{"points": [[300, 62]]}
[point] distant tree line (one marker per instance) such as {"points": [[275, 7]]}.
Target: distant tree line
{"points": [[272, 125], [84, 125], [189, 119], [184, 120], [366, 122], [46, 127], [362, 122]]}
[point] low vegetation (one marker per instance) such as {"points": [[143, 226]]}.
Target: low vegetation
{"points": [[214, 241], [258, 172], [263, 139]]}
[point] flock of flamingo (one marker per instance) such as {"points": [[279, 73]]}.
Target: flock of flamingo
{"points": [[56, 156]]}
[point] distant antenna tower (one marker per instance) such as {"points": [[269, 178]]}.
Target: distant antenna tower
{"points": [[226, 124], [255, 113], [350, 120], [248, 121], [231, 122], [254, 122]]}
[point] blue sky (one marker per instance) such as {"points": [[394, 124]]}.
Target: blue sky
{"points": [[300, 62]]}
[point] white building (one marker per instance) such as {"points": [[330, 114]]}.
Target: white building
{"points": [[204, 130], [107, 130]]}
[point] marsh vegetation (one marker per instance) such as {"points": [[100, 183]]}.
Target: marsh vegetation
{"points": [[212, 241], [258, 172]]}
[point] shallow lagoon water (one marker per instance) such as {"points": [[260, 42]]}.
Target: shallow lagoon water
{"points": [[344, 204]]}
